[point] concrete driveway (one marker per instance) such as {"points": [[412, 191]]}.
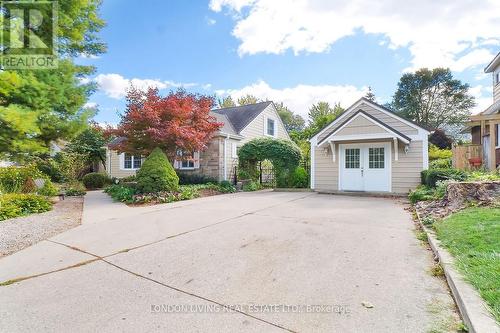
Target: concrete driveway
{"points": [[285, 261]]}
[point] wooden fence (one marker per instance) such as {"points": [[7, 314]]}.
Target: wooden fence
{"points": [[462, 154]]}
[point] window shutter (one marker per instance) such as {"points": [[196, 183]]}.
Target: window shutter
{"points": [[122, 161], [234, 150], [196, 157], [176, 164]]}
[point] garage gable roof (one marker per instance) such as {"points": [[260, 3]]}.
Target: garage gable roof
{"points": [[376, 106], [361, 113]]}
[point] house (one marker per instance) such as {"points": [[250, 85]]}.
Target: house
{"points": [[368, 149], [240, 125], [484, 126]]}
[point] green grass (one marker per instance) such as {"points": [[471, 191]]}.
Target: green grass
{"points": [[473, 237]]}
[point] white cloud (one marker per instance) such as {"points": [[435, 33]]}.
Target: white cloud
{"points": [[115, 85], [300, 98], [479, 92], [90, 105], [451, 33]]}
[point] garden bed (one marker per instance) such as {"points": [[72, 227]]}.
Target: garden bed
{"points": [[127, 194], [21, 232]]}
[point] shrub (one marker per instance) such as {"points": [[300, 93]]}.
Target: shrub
{"points": [[48, 189], [422, 193], [243, 175], [484, 176], [121, 193], [127, 179], [95, 180], [226, 187], [435, 153], [299, 178], [251, 186], [19, 204], [432, 176], [157, 174], [75, 189], [72, 165], [193, 178], [440, 139], [441, 163], [51, 168], [13, 179]]}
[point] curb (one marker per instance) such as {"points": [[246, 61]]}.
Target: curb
{"points": [[472, 308]]}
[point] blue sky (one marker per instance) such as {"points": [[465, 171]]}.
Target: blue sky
{"points": [[295, 51]]}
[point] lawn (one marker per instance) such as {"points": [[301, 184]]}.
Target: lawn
{"points": [[473, 237]]}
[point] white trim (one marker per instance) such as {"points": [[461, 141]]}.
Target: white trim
{"points": [[196, 162], [425, 152], [266, 118], [234, 150], [498, 135], [224, 156], [420, 130], [365, 136], [332, 147], [388, 159], [313, 162], [396, 150]]}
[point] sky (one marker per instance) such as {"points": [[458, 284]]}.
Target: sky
{"points": [[298, 52]]}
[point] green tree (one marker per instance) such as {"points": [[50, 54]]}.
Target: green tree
{"points": [[50, 102], [370, 95], [321, 114], [90, 143], [292, 122], [433, 98], [247, 99], [226, 102]]}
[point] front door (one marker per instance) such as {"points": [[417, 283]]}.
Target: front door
{"points": [[365, 167]]}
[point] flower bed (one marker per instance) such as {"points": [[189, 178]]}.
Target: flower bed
{"points": [[129, 194]]}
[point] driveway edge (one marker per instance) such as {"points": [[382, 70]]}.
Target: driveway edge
{"points": [[472, 308]]}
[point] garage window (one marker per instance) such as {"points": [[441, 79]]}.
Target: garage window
{"points": [[376, 158], [352, 158]]}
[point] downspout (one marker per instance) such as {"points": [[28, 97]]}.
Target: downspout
{"points": [[225, 159]]}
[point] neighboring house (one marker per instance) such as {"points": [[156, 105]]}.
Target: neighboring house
{"points": [[484, 126], [368, 148], [219, 159]]}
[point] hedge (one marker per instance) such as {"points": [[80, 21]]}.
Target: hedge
{"points": [[95, 180]]}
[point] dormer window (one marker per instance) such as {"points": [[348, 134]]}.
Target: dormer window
{"points": [[497, 77]]}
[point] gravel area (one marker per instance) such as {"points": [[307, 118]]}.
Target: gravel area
{"points": [[21, 232]]}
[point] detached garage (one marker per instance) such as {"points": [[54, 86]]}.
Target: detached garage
{"points": [[368, 149]]}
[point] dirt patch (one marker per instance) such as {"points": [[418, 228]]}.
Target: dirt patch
{"points": [[458, 196], [21, 232]]}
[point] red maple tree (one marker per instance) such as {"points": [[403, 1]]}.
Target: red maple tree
{"points": [[178, 121]]}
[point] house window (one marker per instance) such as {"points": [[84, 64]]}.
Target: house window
{"points": [[132, 162], [352, 158], [270, 130], [376, 158], [497, 77], [187, 160]]}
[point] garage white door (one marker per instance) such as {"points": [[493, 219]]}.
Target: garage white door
{"points": [[365, 167]]}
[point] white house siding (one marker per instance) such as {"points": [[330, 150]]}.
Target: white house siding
{"points": [[405, 171], [496, 87], [381, 116], [257, 126], [361, 125]]}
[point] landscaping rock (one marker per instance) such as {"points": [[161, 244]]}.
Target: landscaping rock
{"points": [[458, 196]]}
